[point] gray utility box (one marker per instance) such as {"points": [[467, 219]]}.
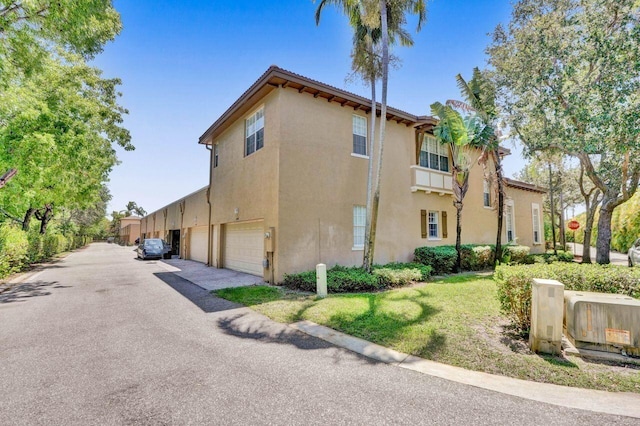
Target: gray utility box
{"points": [[602, 322]]}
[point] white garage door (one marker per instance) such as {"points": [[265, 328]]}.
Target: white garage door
{"points": [[243, 247], [198, 244]]}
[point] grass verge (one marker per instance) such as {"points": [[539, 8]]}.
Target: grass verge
{"points": [[455, 321]]}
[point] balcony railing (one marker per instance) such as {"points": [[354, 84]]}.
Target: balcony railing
{"points": [[429, 180]]}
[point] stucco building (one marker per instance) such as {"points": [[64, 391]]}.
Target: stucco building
{"points": [[288, 177], [129, 230]]}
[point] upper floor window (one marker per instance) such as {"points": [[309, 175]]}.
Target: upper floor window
{"points": [[215, 155], [433, 155], [254, 132], [359, 135], [486, 190]]}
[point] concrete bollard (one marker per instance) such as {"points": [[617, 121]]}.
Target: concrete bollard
{"points": [[321, 280], [547, 310]]}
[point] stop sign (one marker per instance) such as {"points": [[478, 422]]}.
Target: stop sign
{"points": [[573, 225]]}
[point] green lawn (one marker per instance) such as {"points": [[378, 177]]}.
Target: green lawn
{"points": [[455, 321]]}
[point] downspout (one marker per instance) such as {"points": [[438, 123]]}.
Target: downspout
{"points": [[209, 248]]}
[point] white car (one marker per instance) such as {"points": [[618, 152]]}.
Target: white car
{"points": [[634, 253]]}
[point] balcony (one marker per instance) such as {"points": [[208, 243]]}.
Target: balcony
{"points": [[429, 180]]}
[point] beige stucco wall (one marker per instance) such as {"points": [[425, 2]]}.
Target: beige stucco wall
{"points": [[320, 182], [522, 205], [157, 224], [247, 184], [304, 183]]}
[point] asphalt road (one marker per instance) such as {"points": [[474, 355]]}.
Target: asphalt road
{"points": [[102, 338]]}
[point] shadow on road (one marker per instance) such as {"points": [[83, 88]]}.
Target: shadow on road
{"points": [[196, 295], [23, 292], [266, 331]]}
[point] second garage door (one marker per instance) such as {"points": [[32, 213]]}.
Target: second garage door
{"points": [[198, 244], [243, 247]]}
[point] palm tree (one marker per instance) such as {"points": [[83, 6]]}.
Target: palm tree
{"points": [[466, 138], [374, 31], [480, 95], [396, 10]]}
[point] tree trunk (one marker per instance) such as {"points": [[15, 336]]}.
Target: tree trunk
{"points": [[458, 206], [563, 237], [383, 122], [553, 211], [27, 219], [588, 227], [603, 243], [44, 216], [500, 181], [586, 244], [368, 256]]}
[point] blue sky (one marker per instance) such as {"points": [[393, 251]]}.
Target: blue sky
{"points": [[183, 63]]}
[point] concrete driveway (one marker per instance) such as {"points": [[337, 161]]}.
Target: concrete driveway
{"points": [[206, 277]]}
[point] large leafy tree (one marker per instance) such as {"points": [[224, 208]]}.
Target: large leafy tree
{"points": [[58, 117], [376, 24], [28, 29], [569, 73], [57, 128]]}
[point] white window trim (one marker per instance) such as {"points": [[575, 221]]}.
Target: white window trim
{"points": [[353, 154], [437, 215], [439, 148], [358, 246], [246, 118], [487, 183], [366, 136], [536, 207], [513, 221]]}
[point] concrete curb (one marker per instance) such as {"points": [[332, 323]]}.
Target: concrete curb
{"points": [[622, 404]]}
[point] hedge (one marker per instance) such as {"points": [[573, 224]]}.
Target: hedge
{"points": [[13, 249], [19, 248], [514, 284], [342, 279]]}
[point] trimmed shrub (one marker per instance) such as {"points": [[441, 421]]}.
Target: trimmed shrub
{"points": [[397, 277], [342, 279], [13, 249], [562, 256], [305, 281], [54, 244], [514, 284], [442, 259], [517, 254], [425, 270], [35, 253]]}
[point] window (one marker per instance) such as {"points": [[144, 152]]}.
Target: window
{"points": [[535, 218], [487, 193], [508, 213], [215, 155], [433, 155], [254, 132], [359, 135], [359, 223], [433, 224]]}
